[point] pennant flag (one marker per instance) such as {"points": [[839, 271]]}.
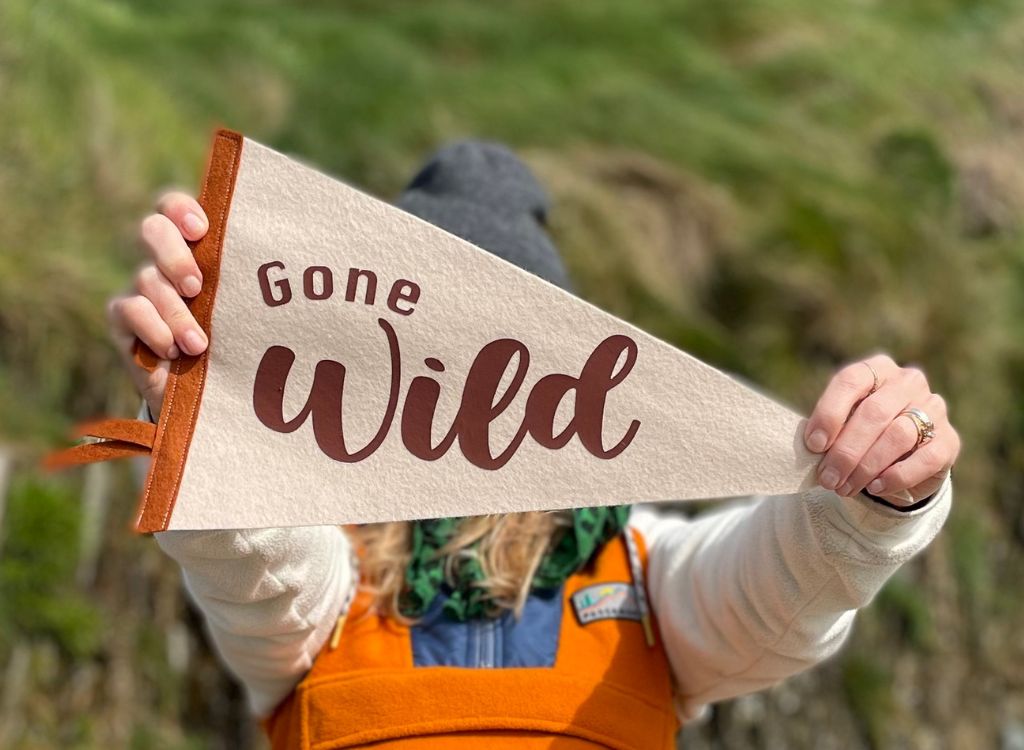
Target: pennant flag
{"points": [[367, 366]]}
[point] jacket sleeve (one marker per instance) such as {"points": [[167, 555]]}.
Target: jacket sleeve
{"points": [[270, 598], [766, 587]]}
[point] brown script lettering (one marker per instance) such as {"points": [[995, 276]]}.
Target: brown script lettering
{"points": [[480, 404]]}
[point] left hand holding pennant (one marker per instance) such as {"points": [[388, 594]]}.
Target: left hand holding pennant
{"points": [[880, 428]]}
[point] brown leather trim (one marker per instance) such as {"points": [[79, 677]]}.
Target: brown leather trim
{"points": [[133, 431], [88, 453], [144, 357], [120, 438], [188, 374]]}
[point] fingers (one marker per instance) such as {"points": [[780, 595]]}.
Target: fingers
{"points": [[153, 284], [848, 387], [921, 468], [867, 423], [152, 385], [897, 440], [135, 315], [179, 218], [156, 314], [186, 214], [164, 242]]}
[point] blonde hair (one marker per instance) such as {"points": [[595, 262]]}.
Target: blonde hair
{"points": [[509, 547]]}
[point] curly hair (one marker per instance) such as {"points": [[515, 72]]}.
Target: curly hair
{"points": [[509, 546]]}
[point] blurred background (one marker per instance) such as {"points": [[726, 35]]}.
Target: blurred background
{"points": [[776, 186]]}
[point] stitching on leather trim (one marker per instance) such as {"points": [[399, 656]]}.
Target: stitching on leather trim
{"points": [[207, 310], [233, 142]]}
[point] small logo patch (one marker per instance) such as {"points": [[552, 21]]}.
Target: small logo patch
{"points": [[606, 601]]}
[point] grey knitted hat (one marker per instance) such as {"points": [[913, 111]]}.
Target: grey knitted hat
{"points": [[485, 194]]}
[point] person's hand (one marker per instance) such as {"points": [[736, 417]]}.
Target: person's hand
{"points": [[866, 441], [154, 310]]}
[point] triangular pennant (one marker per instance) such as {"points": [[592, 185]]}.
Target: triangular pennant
{"points": [[366, 366]]}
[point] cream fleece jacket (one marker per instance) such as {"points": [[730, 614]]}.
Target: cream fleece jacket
{"points": [[746, 594]]}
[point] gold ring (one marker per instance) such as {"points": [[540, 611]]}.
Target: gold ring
{"points": [[874, 375], [925, 426]]}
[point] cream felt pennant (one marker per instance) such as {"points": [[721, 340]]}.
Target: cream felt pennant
{"points": [[367, 366]]}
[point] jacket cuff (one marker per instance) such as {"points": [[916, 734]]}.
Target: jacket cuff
{"points": [[918, 507]]}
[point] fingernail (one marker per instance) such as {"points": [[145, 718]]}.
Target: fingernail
{"points": [[816, 442], [172, 352], [844, 490], [829, 478], [193, 224], [191, 286], [194, 342], [876, 487]]}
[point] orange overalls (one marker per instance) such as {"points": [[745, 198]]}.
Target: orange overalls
{"points": [[575, 671]]}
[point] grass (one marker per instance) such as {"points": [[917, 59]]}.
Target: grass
{"points": [[37, 572], [867, 685]]}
